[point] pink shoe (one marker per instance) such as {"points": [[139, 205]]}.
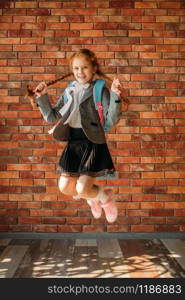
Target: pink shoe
{"points": [[95, 208], [110, 208]]}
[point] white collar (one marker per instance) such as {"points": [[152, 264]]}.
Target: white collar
{"points": [[80, 86]]}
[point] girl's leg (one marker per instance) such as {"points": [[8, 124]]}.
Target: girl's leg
{"points": [[86, 188], [97, 198], [67, 184]]}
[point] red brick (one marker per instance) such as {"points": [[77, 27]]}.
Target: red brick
{"points": [[20, 228], [38, 12], [10, 26], [133, 12], [10, 70], [6, 19], [98, 4], [176, 12], [152, 69], [47, 19], [45, 228], [123, 4], [156, 12], [21, 182], [162, 212], [153, 220], [179, 212], [32, 40], [151, 41], [3, 77], [29, 174], [78, 221], [18, 212], [34, 189], [139, 4], [29, 220], [169, 4], [80, 40], [5, 4], [75, 11], [167, 228], [119, 47], [8, 205], [24, 19], [5, 48], [65, 33], [28, 204], [175, 220], [176, 190], [173, 205], [141, 33], [167, 19], [10, 190], [143, 182], [69, 228], [108, 11], [32, 26], [49, 4], [53, 220], [139, 213], [65, 213], [142, 228], [174, 41], [14, 12], [118, 228], [141, 92], [91, 33], [132, 190], [41, 213], [26, 114], [4, 228], [145, 48]]}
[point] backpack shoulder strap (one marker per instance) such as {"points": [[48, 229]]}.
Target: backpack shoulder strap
{"points": [[69, 85], [97, 91], [97, 96]]}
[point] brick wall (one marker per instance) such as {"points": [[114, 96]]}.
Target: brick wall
{"points": [[141, 41]]}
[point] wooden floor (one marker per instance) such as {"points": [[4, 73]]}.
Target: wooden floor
{"points": [[85, 258]]}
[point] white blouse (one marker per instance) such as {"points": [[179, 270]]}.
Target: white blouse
{"points": [[75, 95]]}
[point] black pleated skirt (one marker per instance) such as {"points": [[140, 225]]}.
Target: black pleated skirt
{"points": [[82, 156]]}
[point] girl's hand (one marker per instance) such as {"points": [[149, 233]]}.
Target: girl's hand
{"points": [[41, 89], [116, 87]]}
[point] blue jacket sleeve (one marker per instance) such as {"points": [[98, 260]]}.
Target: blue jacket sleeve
{"points": [[111, 108], [49, 113]]}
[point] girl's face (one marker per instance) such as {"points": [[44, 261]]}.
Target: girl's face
{"points": [[82, 69]]}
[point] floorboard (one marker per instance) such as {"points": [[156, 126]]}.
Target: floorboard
{"points": [[89, 258], [109, 248], [10, 260]]}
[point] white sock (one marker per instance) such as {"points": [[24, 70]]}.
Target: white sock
{"points": [[101, 196], [76, 197]]}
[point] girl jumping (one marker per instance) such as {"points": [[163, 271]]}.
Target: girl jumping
{"points": [[86, 155]]}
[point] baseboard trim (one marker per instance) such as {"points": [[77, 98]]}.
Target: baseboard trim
{"points": [[92, 235]]}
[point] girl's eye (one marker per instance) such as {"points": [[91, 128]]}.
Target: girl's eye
{"points": [[77, 68]]}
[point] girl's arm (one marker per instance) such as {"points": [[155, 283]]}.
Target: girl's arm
{"points": [[49, 113], [112, 104], [111, 108]]}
